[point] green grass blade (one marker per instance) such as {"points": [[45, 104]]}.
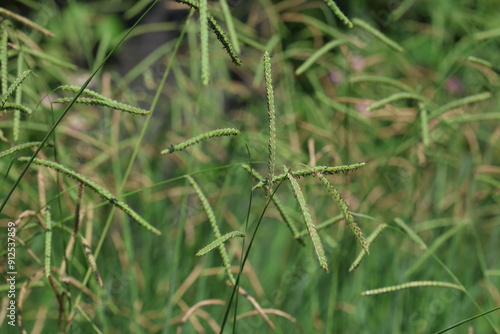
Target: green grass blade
{"points": [[377, 34], [318, 54]]}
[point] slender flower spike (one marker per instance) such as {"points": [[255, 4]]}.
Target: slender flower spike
{"points": [[272, 120]]}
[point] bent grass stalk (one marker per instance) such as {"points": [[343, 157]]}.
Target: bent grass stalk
{"points": [[202, 137], [460, 103], [96, 188]]}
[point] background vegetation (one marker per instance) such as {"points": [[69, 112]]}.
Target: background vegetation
{"points": [[431, 182]]}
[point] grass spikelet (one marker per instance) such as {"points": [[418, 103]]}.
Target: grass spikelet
{"points": [[105, 103], [413, 236], [369, 241], [95, 188], [336, 10], [18, 148], [381, 80], [215, 228], [377, 34], [311, 171], [313, 234], [345, 210], [220, 241], [318, 54], [14, 106], [3, 56], [90, 257], [48, 240], [460, 103], [202, 137], [416, 284], [396, 97], [88, 92], [12, 88], [271, 115], [26, 22], [205, 67], [221, 36]]}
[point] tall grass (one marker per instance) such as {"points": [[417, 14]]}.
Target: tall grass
{"points": [[289, 131]]}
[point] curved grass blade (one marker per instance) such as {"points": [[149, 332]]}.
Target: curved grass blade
{"points": [[230, 25], [96, 188], [413, 236], [345, 211], [408, 285], [104, 103], [336, 10], [377, 34], [220, 241], [396, 97], [459, 103], [215, 228], [202, 137], [313, 234], [26, 22], [311, 171], [318, 54], [381, 80]]}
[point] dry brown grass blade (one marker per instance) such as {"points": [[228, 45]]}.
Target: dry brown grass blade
{"points": [[193, 309]]}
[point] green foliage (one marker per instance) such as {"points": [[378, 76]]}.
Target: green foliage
{"points": [[411, 90]]}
